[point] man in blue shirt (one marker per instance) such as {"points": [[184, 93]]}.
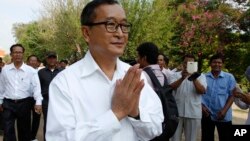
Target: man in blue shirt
{"points": [[216, 103]]}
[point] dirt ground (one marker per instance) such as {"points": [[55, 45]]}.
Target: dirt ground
{"points": [[239, 117]]}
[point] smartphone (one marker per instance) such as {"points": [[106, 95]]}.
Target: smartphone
{"points": [[192, 67]]}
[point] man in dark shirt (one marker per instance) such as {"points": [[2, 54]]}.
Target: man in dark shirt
{"points": [[46, 75]]}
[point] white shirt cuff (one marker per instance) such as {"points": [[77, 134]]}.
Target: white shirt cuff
{"points": [[38, 102]]}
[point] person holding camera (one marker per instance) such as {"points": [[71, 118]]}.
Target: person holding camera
{"points": [[188, 89]]}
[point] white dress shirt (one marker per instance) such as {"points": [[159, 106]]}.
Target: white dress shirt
{"points": [[20, 83], [167, 72], [80, 107], [187, 99]]}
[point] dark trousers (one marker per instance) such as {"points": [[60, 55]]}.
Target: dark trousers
{"points": [[1, 120], [20, 111], [45, 111], [208, 127], [35, 122]]}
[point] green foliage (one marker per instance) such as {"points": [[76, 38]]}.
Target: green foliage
{"points": [[151, 21], [176, 26]]}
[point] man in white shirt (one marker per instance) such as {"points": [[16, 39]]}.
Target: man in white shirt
{"points": [[100, 98], [188, 95], [18, 84], [163, 61]]}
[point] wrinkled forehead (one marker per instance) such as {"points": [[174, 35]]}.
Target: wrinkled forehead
{"points": [[110, 11]]}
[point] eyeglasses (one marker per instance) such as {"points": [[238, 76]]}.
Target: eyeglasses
{"points": [[17, 52], [112, 27]]}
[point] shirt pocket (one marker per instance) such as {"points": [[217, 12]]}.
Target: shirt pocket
{"points": [[222, 96], [25, 84], [222, 89]]}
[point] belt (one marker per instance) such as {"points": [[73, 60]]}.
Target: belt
{"points": [[18, 100]]}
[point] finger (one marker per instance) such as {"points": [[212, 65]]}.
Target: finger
{"points": [[139, 87], [135, 81], [117, 87], [129, 76]]}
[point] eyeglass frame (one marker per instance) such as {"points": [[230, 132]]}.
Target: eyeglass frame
{"points": [[121, 25]]}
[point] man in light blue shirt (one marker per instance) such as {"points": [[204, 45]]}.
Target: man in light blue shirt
{"points": [[216, 103]]}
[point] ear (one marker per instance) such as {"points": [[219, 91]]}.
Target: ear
{"points": [[85, 33], [144, 58]]}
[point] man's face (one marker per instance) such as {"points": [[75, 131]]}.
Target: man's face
{"points": [[63, 65], [216, 65], [1, 63], [51, 61], [161, 61], [102, 42], [33, 62], [17, 54]]}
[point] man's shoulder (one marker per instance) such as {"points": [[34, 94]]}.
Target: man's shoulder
{"points": [[123, 65], [29, 69], [42, 69], [227, 74], [72, 69]]}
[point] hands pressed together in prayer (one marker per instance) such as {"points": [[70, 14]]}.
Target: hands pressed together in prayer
{"points": [[125, 101]]}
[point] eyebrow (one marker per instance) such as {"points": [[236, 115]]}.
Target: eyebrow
{"points": [[112, 18]]}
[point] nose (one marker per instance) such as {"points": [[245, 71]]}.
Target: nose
{"points": [[119, 30]]}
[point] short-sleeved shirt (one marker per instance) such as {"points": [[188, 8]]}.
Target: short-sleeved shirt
{"points": [[158, 73], [187, 99], [218, 91]]}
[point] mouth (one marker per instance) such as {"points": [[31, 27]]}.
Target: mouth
{"points": [[119, 44]]}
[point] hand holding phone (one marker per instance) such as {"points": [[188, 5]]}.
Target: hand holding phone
{"points": [[194, 76]]}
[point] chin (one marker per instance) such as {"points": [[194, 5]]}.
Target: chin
{"points": [[119, 51]]}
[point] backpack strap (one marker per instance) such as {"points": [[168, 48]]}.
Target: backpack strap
{"points": [[153, 78]]}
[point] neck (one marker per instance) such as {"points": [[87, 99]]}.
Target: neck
{"points": [[107, 64], [216, 73], [161, 67], [51, 67], [18, 64]]}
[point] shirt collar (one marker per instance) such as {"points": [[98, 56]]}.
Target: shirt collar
{"points": [[222, 74], [155, 67], [56, 68], [23, 67], [89, 66]]}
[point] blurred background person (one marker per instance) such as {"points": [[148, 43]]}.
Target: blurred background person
{"points": [[33, 61], [46, 75], [63, 64]]}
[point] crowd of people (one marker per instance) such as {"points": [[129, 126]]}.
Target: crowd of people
{"points": [[101, 98]]}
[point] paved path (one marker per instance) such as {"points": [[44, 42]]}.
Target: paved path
{"points": [[239, 117]]}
